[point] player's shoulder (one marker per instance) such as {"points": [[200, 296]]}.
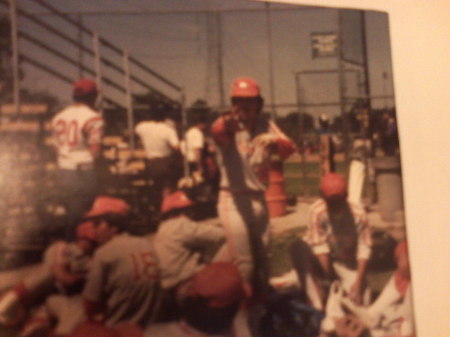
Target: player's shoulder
{"points": [[77, 111], [174, 226], [120, 243]]}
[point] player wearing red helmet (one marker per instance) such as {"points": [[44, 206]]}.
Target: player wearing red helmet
{"points": [[245, 141], [340, 238], [123, 280], [77, 133], [181, 242], [336, 245]]}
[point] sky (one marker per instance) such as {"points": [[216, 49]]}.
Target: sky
{"points": [[181, 47]]}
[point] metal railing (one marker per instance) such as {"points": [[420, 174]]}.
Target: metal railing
{"points": [[101, 61]]}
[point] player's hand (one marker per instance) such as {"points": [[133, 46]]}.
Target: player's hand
{"points": [[234, 120]]}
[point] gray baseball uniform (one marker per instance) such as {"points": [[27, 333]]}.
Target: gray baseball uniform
{"points": [[124, 277], [180, 244], [241, 199]]}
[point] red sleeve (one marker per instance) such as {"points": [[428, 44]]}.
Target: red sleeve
{"points": [[285, 146], [220, 133]]}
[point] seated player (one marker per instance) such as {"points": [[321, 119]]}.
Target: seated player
{"points": [[209, 308], [63, 271], [181, 243], [335, 248], [123, 281], [391, 314]]}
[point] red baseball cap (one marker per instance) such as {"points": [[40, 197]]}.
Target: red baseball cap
{"points": [[333, 184], [107, 205], [220, 283], [245, 87], [86, 230], [84, 86], [175, 200]]}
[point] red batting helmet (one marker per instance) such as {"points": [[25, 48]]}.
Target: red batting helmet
{"points": [[176, 200], [333, 184], [245, 87], [84, 86], [86, 230], [108, 205], [220, 283]]}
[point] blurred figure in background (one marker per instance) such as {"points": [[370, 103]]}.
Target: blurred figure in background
{"points": [[77, 132], [162, 150]]}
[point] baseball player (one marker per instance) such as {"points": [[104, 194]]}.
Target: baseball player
{"points": [[209, 308], [245, 141], [391, 314], [181, 243], [162, 151], [123, 280], [194, 143], [338, 246], [63, 271], [77, 133]]}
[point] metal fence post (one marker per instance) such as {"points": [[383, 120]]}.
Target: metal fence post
{"points": [[98, 70], [129, 100], [183, 131], [301, 132], [15, 54]]}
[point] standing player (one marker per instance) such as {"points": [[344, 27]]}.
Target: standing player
{"points": [[195, 144], [122, 284], [162, 152], [77, 132], [245, 140]]}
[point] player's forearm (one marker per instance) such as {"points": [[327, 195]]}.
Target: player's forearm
{"points": [[220, 131], [285, 147], [361, 270]]}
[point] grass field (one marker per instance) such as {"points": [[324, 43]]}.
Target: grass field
{"points": [[303, 178]]}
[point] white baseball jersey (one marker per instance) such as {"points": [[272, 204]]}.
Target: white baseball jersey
{"points": [[320, 234], [392, 311], [75, 128], [124, 277], [239, 159], [194, 140], [241, 199], [180, 244], [158, 138]]}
